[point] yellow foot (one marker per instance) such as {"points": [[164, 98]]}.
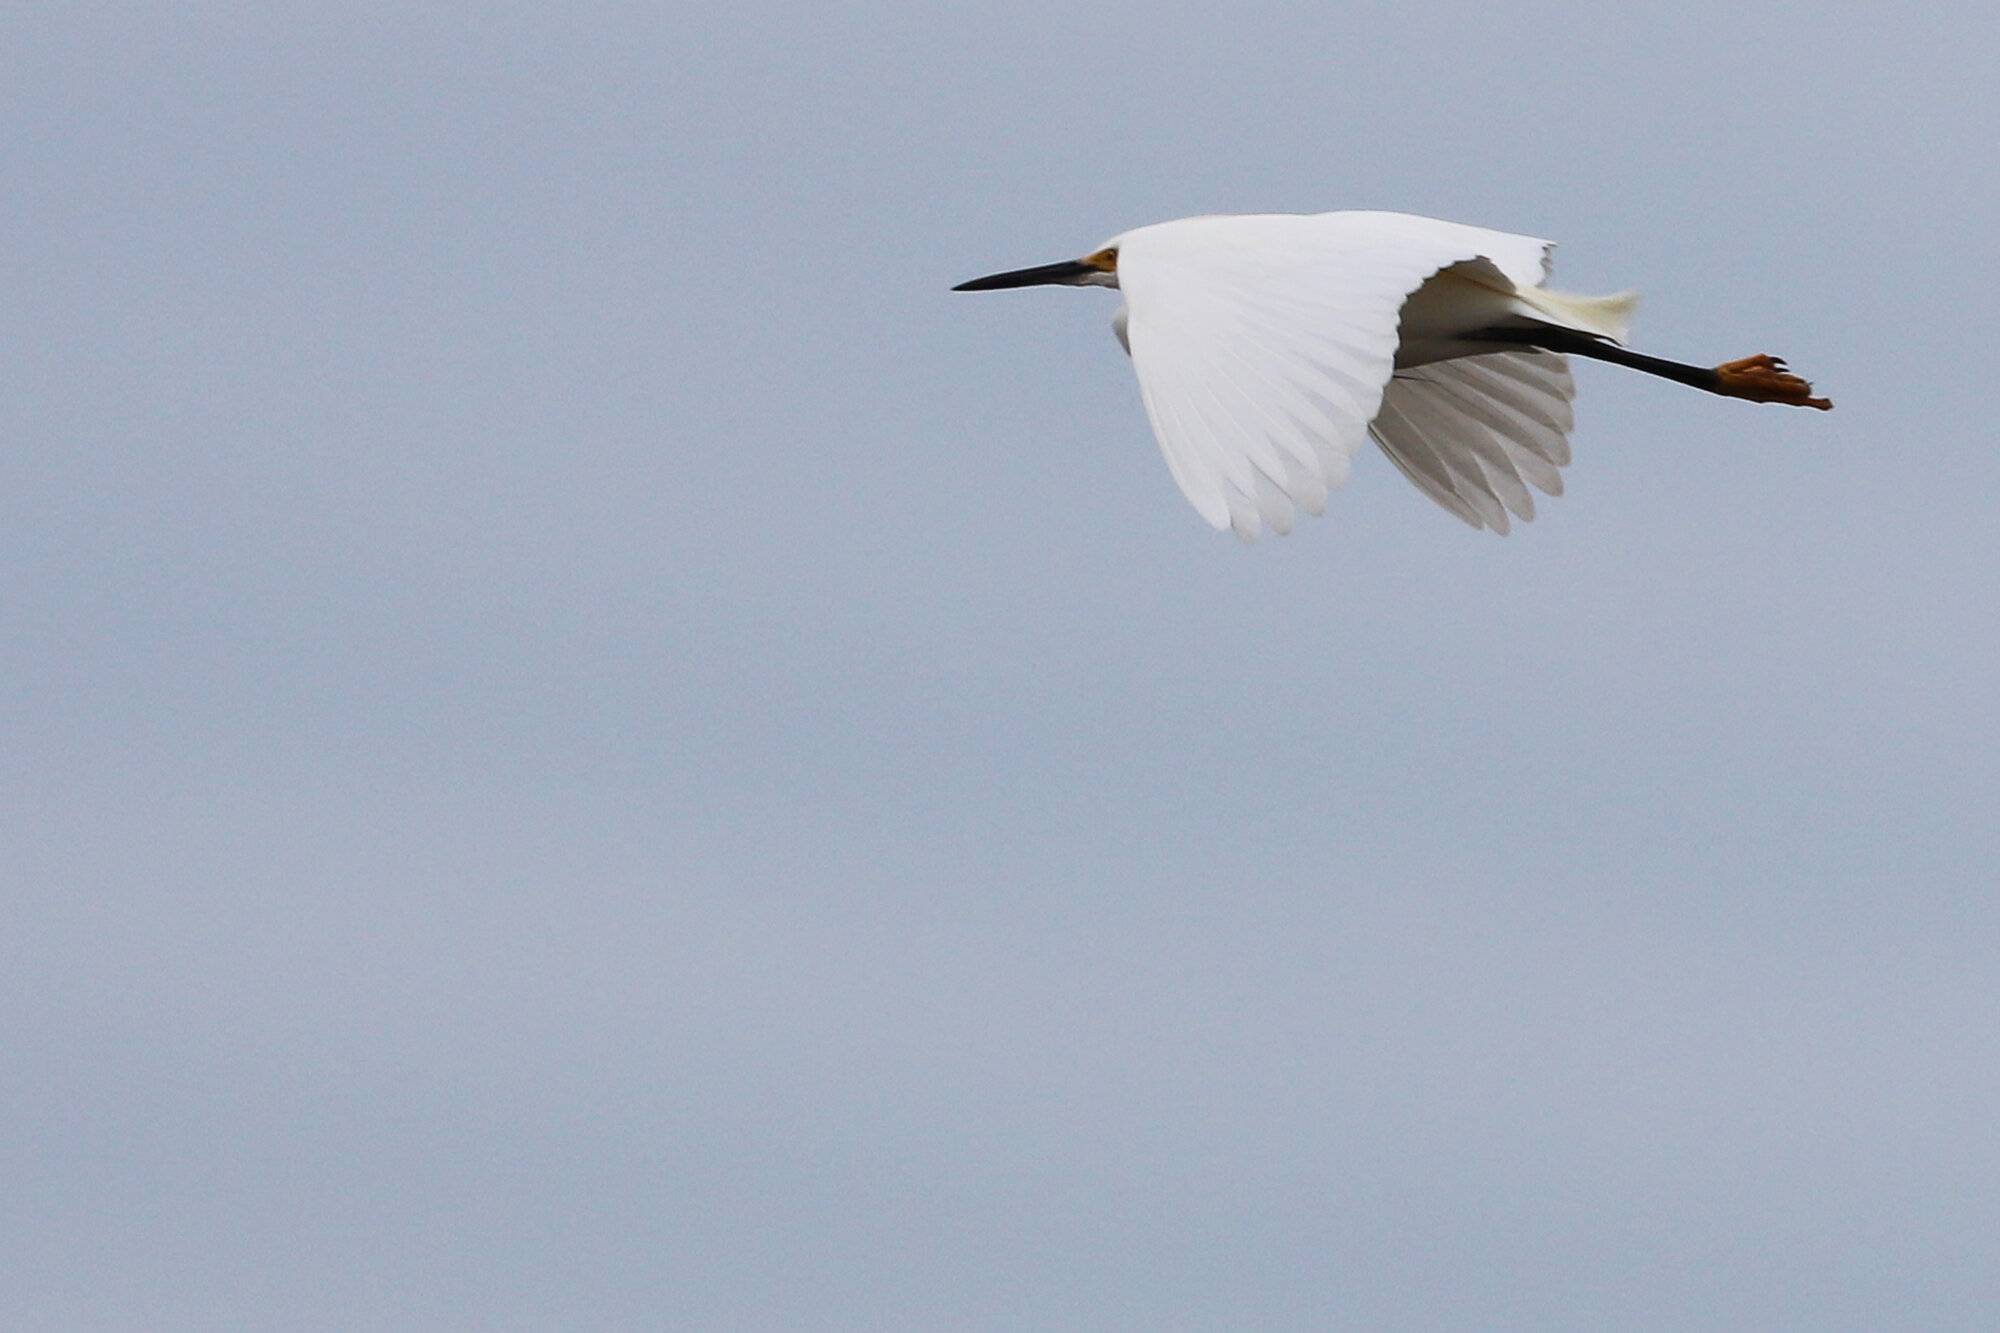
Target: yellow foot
{"points": [[1764, 379]]}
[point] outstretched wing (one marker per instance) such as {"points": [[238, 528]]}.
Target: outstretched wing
{"points": [[1476, 432], [1263, 345]]}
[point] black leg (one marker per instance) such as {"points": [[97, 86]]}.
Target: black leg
{"points": [[1760, 379], [1572, 343]]}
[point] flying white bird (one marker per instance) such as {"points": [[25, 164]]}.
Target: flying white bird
{"points": [[1270, 347]]}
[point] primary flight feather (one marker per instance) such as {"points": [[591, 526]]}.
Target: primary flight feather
{"points": [[1270, 347]]}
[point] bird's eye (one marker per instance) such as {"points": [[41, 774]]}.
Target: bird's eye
{"points": [[1104, 260]]}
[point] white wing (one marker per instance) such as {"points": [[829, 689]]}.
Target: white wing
{"points": [[1263, 345], [1476, 432]]}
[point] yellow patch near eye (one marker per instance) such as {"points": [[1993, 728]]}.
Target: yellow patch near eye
{"points": [[1104, 260]]}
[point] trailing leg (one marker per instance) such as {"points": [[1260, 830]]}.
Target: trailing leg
{"points": [[1759, 379]]}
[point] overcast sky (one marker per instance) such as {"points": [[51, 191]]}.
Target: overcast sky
{"points": [[584, 746]]}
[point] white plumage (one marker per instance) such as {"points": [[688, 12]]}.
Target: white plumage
{"points": [[1270, 347], [1265, 348], [1474, 434]]}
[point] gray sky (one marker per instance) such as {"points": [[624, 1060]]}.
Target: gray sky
{"points": [[586, 747]]}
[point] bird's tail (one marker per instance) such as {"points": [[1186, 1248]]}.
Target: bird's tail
{"points": [[1606, 316]]}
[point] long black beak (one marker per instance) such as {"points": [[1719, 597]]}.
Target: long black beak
{"points": [[1070, 272]]}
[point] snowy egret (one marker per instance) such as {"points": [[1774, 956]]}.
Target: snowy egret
{"points": [[1269, 347]]}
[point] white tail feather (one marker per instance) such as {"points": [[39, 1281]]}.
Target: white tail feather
{"points": [[1606, 316]]}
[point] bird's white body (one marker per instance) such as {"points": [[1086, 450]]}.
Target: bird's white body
{"points": [[1270, 347]]}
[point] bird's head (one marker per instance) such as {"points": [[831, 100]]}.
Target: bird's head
{"points": [[1099, 269]]}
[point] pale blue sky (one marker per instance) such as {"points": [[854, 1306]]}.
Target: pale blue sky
{"points": [[587, 747]]}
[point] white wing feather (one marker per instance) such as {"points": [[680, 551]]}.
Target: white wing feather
{"points": [[1476, 432], [1264, 346]]}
